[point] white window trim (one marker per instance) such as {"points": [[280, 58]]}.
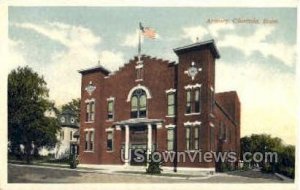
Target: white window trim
{"points": [[89, 100], [170, 126], [139, 86], [111, 98], [211, 124], [195, 123], [139, 66], [109, 130], [138, 80], [194, 113], [118, 127], [212, 115], [192, 86], [89, 129], [211, 88], [171, 116], [159, 125], [171, 90]]}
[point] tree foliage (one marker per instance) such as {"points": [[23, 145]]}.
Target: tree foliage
{"points": [[74, 106], [27, 104], [265, 143]]}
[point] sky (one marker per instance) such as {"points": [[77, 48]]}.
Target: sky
{"points": [[258, 60]]}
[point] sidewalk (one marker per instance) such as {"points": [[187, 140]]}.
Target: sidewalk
{"points": [[112, 170]]}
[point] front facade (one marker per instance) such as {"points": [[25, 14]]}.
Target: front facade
{"points": [[67, 134], [157, 105]]}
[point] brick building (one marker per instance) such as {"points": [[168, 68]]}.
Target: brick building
{"points": [[158, 105]]}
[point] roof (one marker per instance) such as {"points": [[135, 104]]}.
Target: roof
{"points": [[68, 111], [95, 69], [198, 45]]}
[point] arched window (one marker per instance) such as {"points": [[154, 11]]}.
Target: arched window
{"points": [[138, 104]]}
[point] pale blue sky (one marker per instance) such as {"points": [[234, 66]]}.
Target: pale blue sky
{"points": [[257, 60]]}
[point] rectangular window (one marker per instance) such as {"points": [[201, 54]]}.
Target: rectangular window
{"points": [[170, 139], [90, 111], [187, 138], [62, 135], [109, 141], [197, 102], [134, 107], [110, 110], [196, 138], [91, 141], [142, 106], [87, 113], [188, 102], [86, 147], [71, 135], [171, 104], [139, 73]]}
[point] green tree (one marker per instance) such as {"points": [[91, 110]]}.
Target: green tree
{"points": [[265, 143], [74, 106], [27, 107]]}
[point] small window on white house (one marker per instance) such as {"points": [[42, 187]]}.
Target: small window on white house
{"points": [[170, 139], [71, 135], [62, 135], [171, 104]]}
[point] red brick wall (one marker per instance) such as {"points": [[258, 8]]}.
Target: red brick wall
{"points": [[159, 76]]}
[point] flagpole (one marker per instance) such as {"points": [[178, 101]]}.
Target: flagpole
{"points": [[139, 45]]}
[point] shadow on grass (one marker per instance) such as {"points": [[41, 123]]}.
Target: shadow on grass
{"points": [[38, 175]]}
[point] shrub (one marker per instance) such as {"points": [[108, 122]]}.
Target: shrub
{"points": [[226, 166], [267, 168], [153, 166]]}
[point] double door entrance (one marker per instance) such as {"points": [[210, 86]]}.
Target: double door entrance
{"points": [[138, 145]]}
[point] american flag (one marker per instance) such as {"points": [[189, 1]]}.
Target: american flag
{"points": [[148, 32]]}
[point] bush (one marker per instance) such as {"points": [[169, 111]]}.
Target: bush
{"points": [[226, 166], [64, 160], [154, 166], [287, 171], [267, 168]]}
